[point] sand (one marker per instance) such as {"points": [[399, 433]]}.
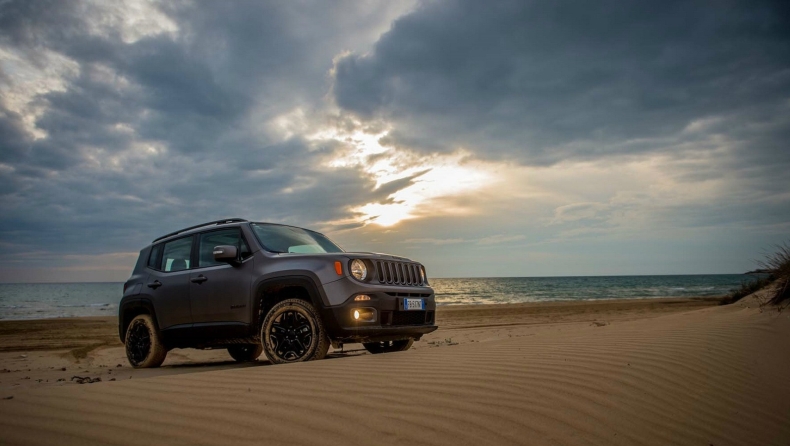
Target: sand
{"points": [[626, 373]]}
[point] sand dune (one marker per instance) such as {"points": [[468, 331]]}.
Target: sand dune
{"points": [[710, 376]]}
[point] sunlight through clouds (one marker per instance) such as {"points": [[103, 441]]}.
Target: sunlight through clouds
{"points": [[426, 178], [132, 19], [409, 127]]}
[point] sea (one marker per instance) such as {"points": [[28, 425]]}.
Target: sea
{"points": [[54, 300]]}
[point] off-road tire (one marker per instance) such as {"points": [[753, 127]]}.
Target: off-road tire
{"points": [[144, 347], [245, 352], [292, 331], [388, 346]]}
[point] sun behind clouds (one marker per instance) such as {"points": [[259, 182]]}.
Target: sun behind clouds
{"points": [[424, 178]]}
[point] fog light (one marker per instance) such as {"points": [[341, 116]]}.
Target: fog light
{"points": [[362, 297], [364, 314]]}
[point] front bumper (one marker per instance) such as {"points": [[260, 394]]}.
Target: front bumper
{"points": [[392, 322]]}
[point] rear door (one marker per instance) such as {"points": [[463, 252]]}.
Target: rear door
{"points": [[168, 282], [219, 291]]}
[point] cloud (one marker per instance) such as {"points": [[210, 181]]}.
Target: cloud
{"points": [[434, 241], [682, 110], [461, 125], [499, 239], [161, 118], [490, 240], [579, 211], [543, 82]]}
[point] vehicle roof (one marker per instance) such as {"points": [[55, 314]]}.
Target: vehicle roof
{"points": [[190, 229], [229, 222]]}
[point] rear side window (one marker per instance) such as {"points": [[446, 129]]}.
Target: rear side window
{"points": [[153, 258], [176, 255], [208, 240]]}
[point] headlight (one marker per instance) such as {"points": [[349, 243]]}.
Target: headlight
{"points": [[359, 270]]}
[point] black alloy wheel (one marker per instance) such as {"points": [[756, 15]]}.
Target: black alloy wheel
{"points": [[291, 335], [144, 348], [292, 331], [138, 343]]}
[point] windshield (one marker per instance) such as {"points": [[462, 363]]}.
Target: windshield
{"points": [[288, 239]]}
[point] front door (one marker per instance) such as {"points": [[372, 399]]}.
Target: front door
{"points": [[219, 291]]}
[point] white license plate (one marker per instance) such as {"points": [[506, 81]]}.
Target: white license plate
{"points": [[413, 304]]}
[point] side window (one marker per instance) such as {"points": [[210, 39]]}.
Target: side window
{"points": [[208, 240], [176, 255], [153, 258]]}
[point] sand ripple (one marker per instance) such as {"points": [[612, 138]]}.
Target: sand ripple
{"points": [[712, 376]]}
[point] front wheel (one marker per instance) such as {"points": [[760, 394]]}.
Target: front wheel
{"points": [[245, 352], [388, 346], [144, 348], [293, 332]]}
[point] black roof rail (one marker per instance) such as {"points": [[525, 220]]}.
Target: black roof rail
{"points": [[215, 222]]}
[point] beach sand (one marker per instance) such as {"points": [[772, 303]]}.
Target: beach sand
{"points": [[664, 371]]}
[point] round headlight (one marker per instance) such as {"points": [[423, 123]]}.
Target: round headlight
{"points": [[359, 270]]}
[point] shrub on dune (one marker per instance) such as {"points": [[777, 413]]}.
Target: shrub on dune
{"points": [[777, 265], [746, 289]]}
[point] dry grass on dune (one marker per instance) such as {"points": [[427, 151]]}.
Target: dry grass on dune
{"points": [[777, 266]]}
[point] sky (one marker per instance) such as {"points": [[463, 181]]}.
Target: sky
{"points": [[484, 139]]}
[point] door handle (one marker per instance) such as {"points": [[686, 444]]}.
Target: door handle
{"points": [[199, 279], [155, 284]]}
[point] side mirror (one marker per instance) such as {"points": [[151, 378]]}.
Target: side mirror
{"points": [[226, 253]]}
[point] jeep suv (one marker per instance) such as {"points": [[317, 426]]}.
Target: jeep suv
{"points": [[261, 287]]}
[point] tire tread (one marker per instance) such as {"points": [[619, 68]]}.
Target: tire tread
{"points": [[157, 353], [322, 346]]}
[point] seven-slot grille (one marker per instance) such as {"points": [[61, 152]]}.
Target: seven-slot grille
{"points": [[398, 273]]}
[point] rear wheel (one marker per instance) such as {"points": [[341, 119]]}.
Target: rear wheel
{"points": [[388, 346], [144, 347], [245, 352], [293, 332]]}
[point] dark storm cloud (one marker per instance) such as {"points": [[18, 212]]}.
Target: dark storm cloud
{"points": [[546, 81], [147, 134], [387, 189], [89, 186], [12, 134], [37, 23]]}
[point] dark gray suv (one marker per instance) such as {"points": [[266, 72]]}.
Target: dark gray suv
{"points": [[260, 287]]}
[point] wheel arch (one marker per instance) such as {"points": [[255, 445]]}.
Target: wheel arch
{"points": [[130, 310], [269, 292]]}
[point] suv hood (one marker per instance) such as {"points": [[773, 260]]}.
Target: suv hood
{"points": [[375, 255], [351, 255]]}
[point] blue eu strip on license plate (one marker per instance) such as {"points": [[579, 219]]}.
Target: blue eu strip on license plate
{"points": [[413, 304]]}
